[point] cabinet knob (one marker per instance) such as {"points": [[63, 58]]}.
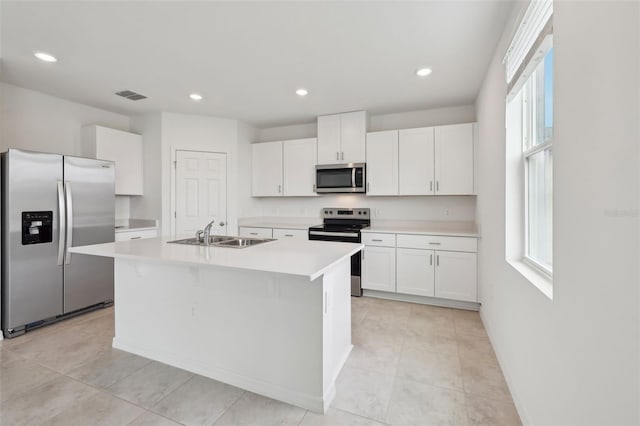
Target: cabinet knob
{"points": [[222, 223]]}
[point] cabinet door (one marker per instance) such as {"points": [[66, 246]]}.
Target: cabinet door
{"points": [[353, 126], [266, 169], [299, 172], [125, 149], [456, 276], [382, 163], [454, 159], [415, 271], [379, 268], [416, 162], [329, 139]]}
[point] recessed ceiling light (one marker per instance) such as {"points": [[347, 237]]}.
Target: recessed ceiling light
{"points": [[302, 92], [45, 57], [423, 72], [196, 96]]}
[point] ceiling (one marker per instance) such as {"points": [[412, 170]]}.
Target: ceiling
{"points": [[248, 58]]}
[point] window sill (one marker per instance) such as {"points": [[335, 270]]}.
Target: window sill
{"points": [[535, 277]]}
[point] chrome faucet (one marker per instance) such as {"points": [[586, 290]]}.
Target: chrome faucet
{"points": [[207, 232]]}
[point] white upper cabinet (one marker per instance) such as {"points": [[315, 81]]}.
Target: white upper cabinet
{"points": [[123, 148], [454, 159], [416, 161], [284, 168], [341, 138], [382, 163], [266, 173], [300, 167]]}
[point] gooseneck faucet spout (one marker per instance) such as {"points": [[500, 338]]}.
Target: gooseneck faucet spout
{"points": [[207, 232]]}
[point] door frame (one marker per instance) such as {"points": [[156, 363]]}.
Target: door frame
{"points": [[174, 183]]}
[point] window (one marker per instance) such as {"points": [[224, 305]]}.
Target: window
{"points": [[529, 121], [537, 137]]}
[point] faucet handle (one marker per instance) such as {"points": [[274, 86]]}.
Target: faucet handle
{"points": [[200, 235]]}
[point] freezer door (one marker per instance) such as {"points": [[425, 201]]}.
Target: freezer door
{"points": [[90, 198], [31, 273]]}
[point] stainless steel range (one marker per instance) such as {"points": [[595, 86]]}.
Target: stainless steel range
{"points": [[344, 225]]}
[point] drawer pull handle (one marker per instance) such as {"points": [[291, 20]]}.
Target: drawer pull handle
{"points": [[135, 238], [288, 235], [435, 244], [376, 240], [253, 233]]}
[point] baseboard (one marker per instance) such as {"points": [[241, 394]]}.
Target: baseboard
{"points": [[517, 401], [424, 300], [270, 390]]}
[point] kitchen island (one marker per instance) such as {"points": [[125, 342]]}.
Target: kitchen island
{"points": [[274, 319]]}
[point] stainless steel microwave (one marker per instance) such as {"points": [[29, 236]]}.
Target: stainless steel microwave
{"points": [[336, 178]]}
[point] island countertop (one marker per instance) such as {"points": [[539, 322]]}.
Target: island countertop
{"points": [[294, 257]]}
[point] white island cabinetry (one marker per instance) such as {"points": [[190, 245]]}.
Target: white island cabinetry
{"points": [[274, 319]]}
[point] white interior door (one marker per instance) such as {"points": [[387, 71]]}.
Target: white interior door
{"points": [[201, 191]]}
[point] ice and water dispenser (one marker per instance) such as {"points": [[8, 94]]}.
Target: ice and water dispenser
{"points": [[37, 227]]}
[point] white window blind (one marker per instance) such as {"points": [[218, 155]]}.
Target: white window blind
{"points": [[535, 24]]}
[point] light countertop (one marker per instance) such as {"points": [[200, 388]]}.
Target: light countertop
{"points": [[444, 228], [294, 257], [129, 225]]}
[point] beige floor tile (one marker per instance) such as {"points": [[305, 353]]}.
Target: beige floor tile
{"points": [[432, 368], [256, 410], [150, 384], [471, 346], [378, 358], [468, 322], [432, 339], [7, 356], [488, 412], [414, 403], [110, 367], [44, 402], [20, 376], [363, 392], [99, 410], [335, 417], [482, 376], [152, 419], [200, 401], [376, 333]]}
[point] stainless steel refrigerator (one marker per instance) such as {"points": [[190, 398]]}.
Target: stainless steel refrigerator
{"points": [[50, 203]]}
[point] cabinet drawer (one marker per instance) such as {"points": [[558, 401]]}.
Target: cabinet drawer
{"points": [[438, 243], [381, 240], [300, 234], [136, 235], [247, 231]]}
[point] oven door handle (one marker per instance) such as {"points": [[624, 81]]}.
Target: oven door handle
{"points": [[353, 177], [334, 234]]}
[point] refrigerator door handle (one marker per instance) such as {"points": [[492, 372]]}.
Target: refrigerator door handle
{"points": [[62, 220], [69, 211]]}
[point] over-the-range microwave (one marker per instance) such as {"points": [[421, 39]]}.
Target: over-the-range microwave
{"points": [[340, 178]]}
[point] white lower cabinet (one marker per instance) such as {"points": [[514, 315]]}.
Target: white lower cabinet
{"points": [[455, 276], [421, 265], [294, 234], [250, 231], [379, 268], [416, 272], [136, 235]]}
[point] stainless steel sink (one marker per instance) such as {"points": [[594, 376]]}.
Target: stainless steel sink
{"points": [[243, 242], [224, 241]]}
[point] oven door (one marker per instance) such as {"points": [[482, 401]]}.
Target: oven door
{"points": [[356, 262], [340, 178]]}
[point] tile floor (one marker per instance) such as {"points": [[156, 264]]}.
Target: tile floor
{"points": [[411, 365]]}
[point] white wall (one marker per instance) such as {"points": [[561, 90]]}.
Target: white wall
{"points": [[402, 208], [149, 206], [199, 133], [573, 360], [39, 122]]}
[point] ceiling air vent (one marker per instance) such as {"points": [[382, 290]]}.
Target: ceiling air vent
{"points": [[131, 95]]}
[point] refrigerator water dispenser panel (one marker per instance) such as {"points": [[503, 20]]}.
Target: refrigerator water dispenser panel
{"points": [[37, 227]]}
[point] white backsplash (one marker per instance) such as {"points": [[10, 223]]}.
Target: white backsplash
{"points": [[122, 207]]}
